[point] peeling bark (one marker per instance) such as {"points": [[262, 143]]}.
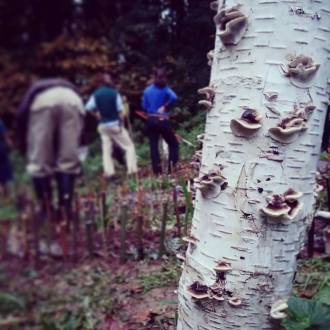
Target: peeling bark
{"points": [[230, 228]]}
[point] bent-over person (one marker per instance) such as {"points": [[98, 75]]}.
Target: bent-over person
{"points": [[53, 113]]}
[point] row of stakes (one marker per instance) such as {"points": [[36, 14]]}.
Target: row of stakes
{"points": [[87, 224]]}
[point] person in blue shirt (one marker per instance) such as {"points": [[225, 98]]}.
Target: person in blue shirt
{"points": [[6, 173], [107, 103], [158, 100]]}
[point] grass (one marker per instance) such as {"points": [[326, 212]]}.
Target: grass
{"points": [[8, 212], [313, 277], [168, 275]]}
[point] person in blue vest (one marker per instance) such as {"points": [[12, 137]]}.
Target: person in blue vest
{"points": [[158, 100], [107, 104], [6, 173]]}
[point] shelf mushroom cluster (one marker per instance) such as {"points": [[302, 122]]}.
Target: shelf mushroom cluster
{"points": [[301, 67], [283, 206], [278, 310], [211, 184], [200, 291], [209, 93], [232, 25], [248, 124], [287, 130], [210, 57], [217, 290], [196, 160]]}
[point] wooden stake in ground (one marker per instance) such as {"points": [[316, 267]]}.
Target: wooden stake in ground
{"points": [[123, 220], [49, 222], [162, 249], [139, 222], [103, 214], [89, 228], [75, 232], [63, 232], [139, 232], [177, 215], [35, 223]]}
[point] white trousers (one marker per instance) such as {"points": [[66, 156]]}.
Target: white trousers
{"points": [[120, 136]]}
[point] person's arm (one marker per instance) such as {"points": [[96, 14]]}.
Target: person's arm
{"points": [[145, 103], [172, 98], [91, 107], [120, 107]]}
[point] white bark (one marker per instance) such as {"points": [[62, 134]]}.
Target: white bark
{"points": [[230, 227]]}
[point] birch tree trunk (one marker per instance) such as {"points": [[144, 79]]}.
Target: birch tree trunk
{"points": [[229, 228]]}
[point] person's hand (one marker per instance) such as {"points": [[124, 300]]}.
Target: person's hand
{"points": [[162, 109]]}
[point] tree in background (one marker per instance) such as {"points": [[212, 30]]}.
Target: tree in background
{"points": [[74, 39], [268, 97]]}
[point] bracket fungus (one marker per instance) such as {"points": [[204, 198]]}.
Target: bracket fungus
{"points": [[301, 67], [190, 239], [248, 124], [216, 292], [291, 199], [200, 141], [197, 156], [283, 207], [211, 184], [207, 104], [208, 91], [196, 161], [198, 291], [287, 130], [223, 267], [277, 311], [209, 97], [235, 302], [232, 24], [180, 257], [210, 57]]}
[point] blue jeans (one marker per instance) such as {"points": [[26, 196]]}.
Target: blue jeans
{"points": [[161, 127]]}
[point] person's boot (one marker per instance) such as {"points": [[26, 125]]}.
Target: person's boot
{"points": [[65, 186], [43, 190]]}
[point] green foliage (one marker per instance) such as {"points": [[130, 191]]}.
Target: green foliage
{"points": [[323, 296], [10, 303], [169, 275], [313, 274], [325, 155], [306, 314], [8, 212], [21, 177], [189, 131], [313, 280], [323, 200], [143, 153]]}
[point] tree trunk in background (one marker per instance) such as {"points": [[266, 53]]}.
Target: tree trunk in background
{"points": [[230, 227]]}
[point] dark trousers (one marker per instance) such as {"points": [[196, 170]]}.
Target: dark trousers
{"points": [[161, 127]]}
